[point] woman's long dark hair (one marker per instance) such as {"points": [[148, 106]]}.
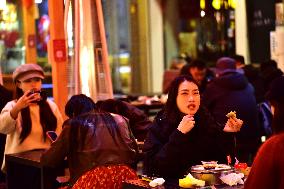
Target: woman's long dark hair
{"points": [[278, 117], [84, 122], [275, 95], [47, 118], [85, 117], [171, 110], [79, 104]]}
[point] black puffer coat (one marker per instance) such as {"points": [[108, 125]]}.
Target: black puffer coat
{"points": [[170, 153], [233, 92]]}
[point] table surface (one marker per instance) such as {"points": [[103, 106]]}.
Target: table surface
{"points": [[138, 184], [149, 109], [152, 105], [20, 163], [28, 158]]}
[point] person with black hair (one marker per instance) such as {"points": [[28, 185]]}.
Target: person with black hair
{"points": [[5, 96], [268, 167], [79, 104], [26, 119], [184, 133], [138, 120], [91, 138], [231, 91], [198, 70], [269, 71], [240, 60]]}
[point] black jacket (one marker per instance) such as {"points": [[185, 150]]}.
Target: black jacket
{"points": [[233, 92], [170, 153]]}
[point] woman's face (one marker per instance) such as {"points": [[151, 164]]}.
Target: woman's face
{"points": [[33, 83], [188, 98]]}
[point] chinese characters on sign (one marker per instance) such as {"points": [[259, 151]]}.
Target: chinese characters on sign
{"points": [[31, 41], [59, 50]]}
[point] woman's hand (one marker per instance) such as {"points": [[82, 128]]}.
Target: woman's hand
{"points": [[23, 102], [233, 125], [28, 98], [186, 124]]}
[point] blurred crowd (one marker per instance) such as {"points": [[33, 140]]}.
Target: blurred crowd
{"points": [[100, 138]]}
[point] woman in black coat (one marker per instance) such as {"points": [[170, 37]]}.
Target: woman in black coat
{"points": [[183, 134]]}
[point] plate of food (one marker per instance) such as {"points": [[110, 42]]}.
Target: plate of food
{"points": [[210, 171], [209, 164]]}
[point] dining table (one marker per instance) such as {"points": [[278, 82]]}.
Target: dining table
{"points": [[150, 108], [24, 170], [171, 184]]}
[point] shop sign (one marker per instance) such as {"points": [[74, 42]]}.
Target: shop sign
{"points": [[31, 41], [59, 50], [260, 21]]}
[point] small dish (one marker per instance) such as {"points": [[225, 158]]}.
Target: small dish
{"points": [[209, 164]]}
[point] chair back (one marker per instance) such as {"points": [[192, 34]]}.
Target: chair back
{"points": [[168, 77], [105, 177]]}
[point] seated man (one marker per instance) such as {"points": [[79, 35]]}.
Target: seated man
{"points": [[198, 70], [230, 91]]}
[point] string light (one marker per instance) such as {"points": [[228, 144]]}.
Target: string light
{"points": [[217, 4], [202, 13], [232, 3], [2, 4], [38, 1], [202, 4]]}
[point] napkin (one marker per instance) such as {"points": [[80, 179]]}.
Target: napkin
{"points": [[233, 179], [157, 182]]}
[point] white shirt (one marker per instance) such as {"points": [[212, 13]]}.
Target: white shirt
{"points": [[12, 128]]}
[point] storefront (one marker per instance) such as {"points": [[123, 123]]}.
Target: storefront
{"points": [[13, 48], [142, 37], [11, 44]]}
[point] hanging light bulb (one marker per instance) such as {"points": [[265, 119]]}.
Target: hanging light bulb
{"points": [[202, 4], [232, 3], [202, 13], [2, 4], [216, 4]]}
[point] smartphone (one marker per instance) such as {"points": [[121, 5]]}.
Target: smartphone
{"points": [[51, 135], [33, 91]]}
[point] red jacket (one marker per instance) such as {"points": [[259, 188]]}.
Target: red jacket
{"points": [[268, 167]]}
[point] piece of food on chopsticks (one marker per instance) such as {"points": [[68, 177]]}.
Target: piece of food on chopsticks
{"points": [[189, 181], [231, 114]]}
